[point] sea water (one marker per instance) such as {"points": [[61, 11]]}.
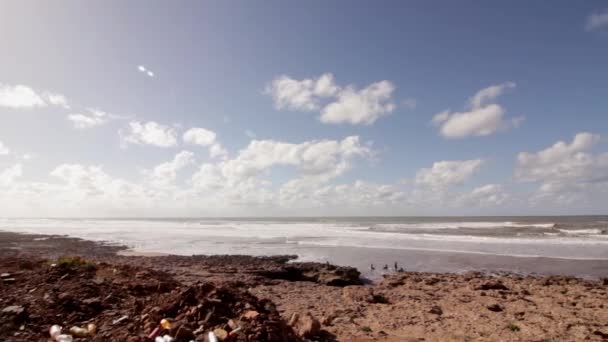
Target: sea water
{"points": [[527, 244]]}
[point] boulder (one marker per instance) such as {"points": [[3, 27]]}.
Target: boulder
{"points": [[305, 326]]}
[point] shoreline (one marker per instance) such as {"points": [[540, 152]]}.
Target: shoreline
{"points": [[397, 307]]}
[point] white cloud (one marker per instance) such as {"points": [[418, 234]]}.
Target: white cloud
{"points": [[563, 161], [56, 100], [3, 149], [94, 118], [149, 133], [565, 171], [301, 193], [20, 96], [239, 180], [360, 107], [597, 20], [486, 195], [304, 95], [145, 71], [250, 134], [483, 118], [199, 136], [10, 174], [217, 151], [444, 174], [165, 174], [207, 138], [336, 104]]}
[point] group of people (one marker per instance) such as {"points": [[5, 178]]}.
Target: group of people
{"points": [[396, 267]]}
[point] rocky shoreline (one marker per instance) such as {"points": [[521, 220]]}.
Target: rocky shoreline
{"points": [[50, 280]]}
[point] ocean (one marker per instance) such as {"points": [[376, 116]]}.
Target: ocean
{"points": [[574, 245]]}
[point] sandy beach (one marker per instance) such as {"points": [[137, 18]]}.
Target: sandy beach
{"points": [[276, 299]]}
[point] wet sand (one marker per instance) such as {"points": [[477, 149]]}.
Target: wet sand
{"points": [[444, 262]]}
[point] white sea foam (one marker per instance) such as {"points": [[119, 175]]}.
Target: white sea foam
{"points": [[581, 231], [460, 225]]}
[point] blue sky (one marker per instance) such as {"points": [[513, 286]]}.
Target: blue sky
{"points": [[86, 133]]}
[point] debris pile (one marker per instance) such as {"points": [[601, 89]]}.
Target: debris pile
{"points": [[72, 299]]}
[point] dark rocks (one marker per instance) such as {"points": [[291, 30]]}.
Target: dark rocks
{"points": [[432, 281], [496, 307], [492, 285], [14, 313], [602, 334], [436, 309], [319, 273]]}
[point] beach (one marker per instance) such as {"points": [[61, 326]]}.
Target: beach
{"points": [[279, 298]]}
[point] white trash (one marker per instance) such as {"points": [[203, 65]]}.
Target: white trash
{"points": [[55, 331], [64, 338]]}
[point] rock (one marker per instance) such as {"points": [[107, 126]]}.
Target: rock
{"points": [[358, 294], [221, 334], [496, 307], [13, 310], [15, 313], [251, 314], [232, 324], [602, 334], [492, 285], [305, 326], [436, 309], [432, 281]]}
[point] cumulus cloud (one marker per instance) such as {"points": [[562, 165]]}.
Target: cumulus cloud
{"points": [[199, 136], [204, 137], [20, 96], [305, 95], [165, 174], [486, 195], [303, 193], [239, 179], [564, 170], [444, 174], [56, 100], [149, 133], [336, 104], [483, 117], [10, 174], [217, 151], [24, 97], [93, 118], [3, 149], [360, 106], [145, 71], [597, 20]]}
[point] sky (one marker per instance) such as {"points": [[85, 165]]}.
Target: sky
{"points": [[316, 108]]}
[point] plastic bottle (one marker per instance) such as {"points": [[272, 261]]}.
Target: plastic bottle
{"points": [[212, 337]]}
